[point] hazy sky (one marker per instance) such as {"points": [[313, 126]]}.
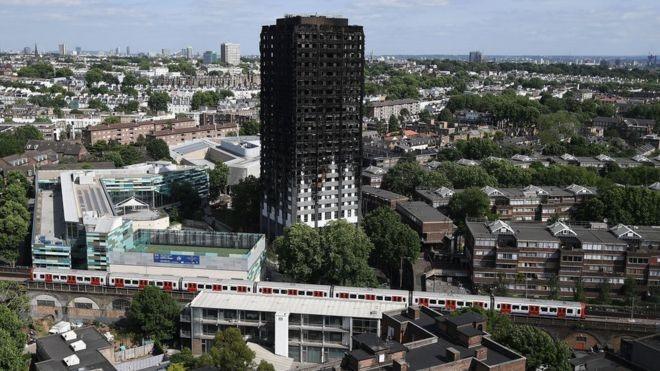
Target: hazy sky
{"points": [[558, 27]]}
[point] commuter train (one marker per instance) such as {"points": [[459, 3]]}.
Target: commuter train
{"points": [[442, 301]]}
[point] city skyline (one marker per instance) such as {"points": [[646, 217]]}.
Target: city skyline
{"points": [[503, 27]]}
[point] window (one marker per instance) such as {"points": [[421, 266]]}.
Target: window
{"points": [[83, 305], [46, 303]]}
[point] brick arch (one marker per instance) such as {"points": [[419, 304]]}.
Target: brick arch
{"points": [[83, 300], [583, 340], [44, 306], [118, 303]]}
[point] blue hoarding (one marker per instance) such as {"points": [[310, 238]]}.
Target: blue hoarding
{"points": [[176, 259]]}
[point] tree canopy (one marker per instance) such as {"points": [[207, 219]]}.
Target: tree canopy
{"points": [[393, 240], [218, 178], [335, 254], [154, 314], [158, 149], [246, 203], [158, 101]]}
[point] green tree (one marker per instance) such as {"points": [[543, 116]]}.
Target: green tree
{"points": [[12, 341], [246, 201], [540, 349], [97, 104], [154, 314], [629, 289], [393, 240], [466, 176], [265, 366], [300, 254], [158, 149], [472, 203], [218, 178], [176, 367], [553, 287], [158, 101], [184, 358], [230, 352], [393, 125], [347, 252], [251, 127], [604, 292], [578, 294], [187, 197], [407, 175]]}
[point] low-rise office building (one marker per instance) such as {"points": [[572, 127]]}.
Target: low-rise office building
{"points": [[80, 215], [306, 329]]}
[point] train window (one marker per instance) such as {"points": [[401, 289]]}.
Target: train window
{"points": [[524, 307], [516, 307], [159, 284], [498, 306], [276, 291], [87, 279], [433, 301], [388, 298], [544, 309], [224, 288], [553, 310], [460, 303], [233, 288], [379, 298], [569, 311], [309, 293], [578, 312], [441, 302], [416, 300], [135, 282], [352, 296], [208, 286], [360, 296]]}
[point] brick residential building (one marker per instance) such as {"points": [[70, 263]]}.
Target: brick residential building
{"points": [[501, 253], [186, 134], [383, 110], [127, 133], [433, 227]]}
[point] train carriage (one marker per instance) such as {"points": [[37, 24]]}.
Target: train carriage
{"points": [[292, 289], [69, 276], [448, 301], [540, 307], [195, 284], [140, 281], [365, 293]]}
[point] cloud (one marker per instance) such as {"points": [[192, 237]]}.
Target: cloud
{"points": [[41, 2]]}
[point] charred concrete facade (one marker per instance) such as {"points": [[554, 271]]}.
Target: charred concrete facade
{"points": [[312, 85]]}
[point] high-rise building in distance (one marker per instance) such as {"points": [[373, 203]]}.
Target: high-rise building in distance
{"points": [[475, 57], [210, 57], [78, 50], [62, 49], [128, 50], [312, 85], [188, 52], [230, 53]]}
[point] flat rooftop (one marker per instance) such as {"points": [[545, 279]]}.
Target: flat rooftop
{"points": [[293, 304], [54, 349], [49, 217]]}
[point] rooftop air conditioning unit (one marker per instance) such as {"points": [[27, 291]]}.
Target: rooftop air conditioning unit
{"points": [[78, 346], [71, 360], [69, 335]]}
